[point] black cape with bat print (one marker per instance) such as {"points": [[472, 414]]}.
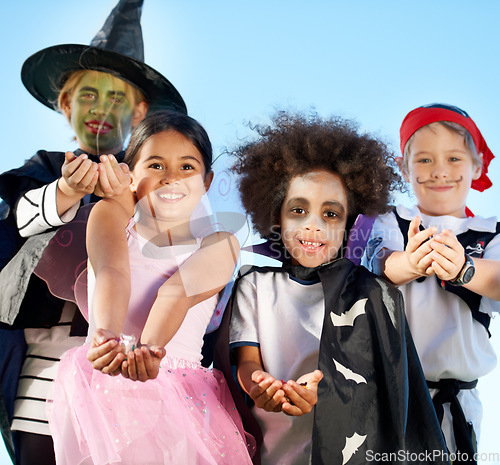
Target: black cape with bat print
{"points": [[373, 402]]}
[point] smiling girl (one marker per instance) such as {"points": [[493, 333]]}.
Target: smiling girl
{"points": [[303, 182], [160, 293]]}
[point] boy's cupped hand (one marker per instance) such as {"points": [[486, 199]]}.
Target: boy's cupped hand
{"points": [[418, 249], [114, 177], [430, 252], [79, 174], [301, 395], [448, 255], [266, 391]]}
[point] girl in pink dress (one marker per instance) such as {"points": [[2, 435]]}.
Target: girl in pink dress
{"points": [[156, 287]]}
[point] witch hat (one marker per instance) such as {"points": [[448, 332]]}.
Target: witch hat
{"points": [[116, 49]]}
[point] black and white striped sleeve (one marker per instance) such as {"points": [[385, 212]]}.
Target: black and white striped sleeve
{"points": [[36, 211]]}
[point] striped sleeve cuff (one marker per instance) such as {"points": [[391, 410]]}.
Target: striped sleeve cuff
{"points": [[36, 211]]}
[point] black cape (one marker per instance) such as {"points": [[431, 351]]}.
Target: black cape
{"points": [[41, 169], [373, 403]]}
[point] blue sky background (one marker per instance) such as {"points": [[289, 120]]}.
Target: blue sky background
{"points": [[235, 62]]}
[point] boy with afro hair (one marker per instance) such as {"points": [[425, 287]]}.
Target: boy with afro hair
{"points": [[320, 330]]}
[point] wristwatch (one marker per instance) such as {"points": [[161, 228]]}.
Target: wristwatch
{"points": [[466, 273]]}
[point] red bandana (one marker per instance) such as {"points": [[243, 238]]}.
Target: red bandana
{"points": [[428, 114]]}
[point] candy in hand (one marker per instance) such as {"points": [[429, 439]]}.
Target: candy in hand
{"points": [[127, 342]]}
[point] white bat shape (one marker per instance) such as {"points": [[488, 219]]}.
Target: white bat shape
{"points": [[348, 374], [347, 318], [351, 446]]}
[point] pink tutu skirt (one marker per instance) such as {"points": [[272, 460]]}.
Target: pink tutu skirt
{"points": [[185, 416]]}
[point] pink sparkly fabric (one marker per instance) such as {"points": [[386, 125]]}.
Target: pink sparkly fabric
{"points": [[185, 416]]}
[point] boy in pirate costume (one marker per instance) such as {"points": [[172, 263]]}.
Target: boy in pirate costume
{"points": [[446, 262], [104, 90]]}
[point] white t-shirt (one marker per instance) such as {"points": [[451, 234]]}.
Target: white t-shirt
{"points": [[450, 343], [284, 317]]}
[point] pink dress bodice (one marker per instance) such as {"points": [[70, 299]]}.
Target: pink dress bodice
{"points": [[150, 267]]}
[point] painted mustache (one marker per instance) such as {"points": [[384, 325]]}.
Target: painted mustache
{"points": [[446, 182]]}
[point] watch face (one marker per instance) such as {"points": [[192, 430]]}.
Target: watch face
{"points": [[468, 274]]}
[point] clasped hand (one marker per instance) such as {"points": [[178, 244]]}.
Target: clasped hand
{"points": [[429, 252], [106, 355], [106, 179], [294, 398]]}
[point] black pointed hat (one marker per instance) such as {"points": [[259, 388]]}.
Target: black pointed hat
{"points": [[116, 49]]}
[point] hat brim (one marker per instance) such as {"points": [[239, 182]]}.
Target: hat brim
{"points": [[44, 73]]}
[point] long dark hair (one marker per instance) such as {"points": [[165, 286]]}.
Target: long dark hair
{"points": [[167, 120]]}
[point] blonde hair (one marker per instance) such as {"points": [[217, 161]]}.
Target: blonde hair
{"points": [[133, 94], [454, 127]]}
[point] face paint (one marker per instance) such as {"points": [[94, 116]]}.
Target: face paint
{"points": [[441, 171], [313, 218], [101, 113]]}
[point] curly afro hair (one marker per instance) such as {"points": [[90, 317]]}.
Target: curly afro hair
{"points": [[294, 145]]}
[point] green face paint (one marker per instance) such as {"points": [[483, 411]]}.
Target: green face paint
{"points": [[101, 113]]}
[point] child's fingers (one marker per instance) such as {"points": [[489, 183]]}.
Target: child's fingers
{"points": [[69, 168], [108, 175], [445, 268], [147, 357], [414, 227], [448, 255], [424, 264], [312, 379], [113, 368], [104, 181], [452, 255], [268, 398], [159, 352], [114, 178], [140, 366], [101, 336], [258, 376], [292, 410], [152, 362], [124, 168], [300, 396], [124, 368], [79, 167], [89, 179], [256, 391], [273, 403], [440, 272], [83, 176], [417, 237], [69, 157], [132, 369], [108, 363], [420, 239], [96, 352], [446, 241], [114, 167]]}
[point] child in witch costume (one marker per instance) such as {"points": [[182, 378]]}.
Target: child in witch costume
{"points": [[319, 331], [104, 90], [446, 262]]}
